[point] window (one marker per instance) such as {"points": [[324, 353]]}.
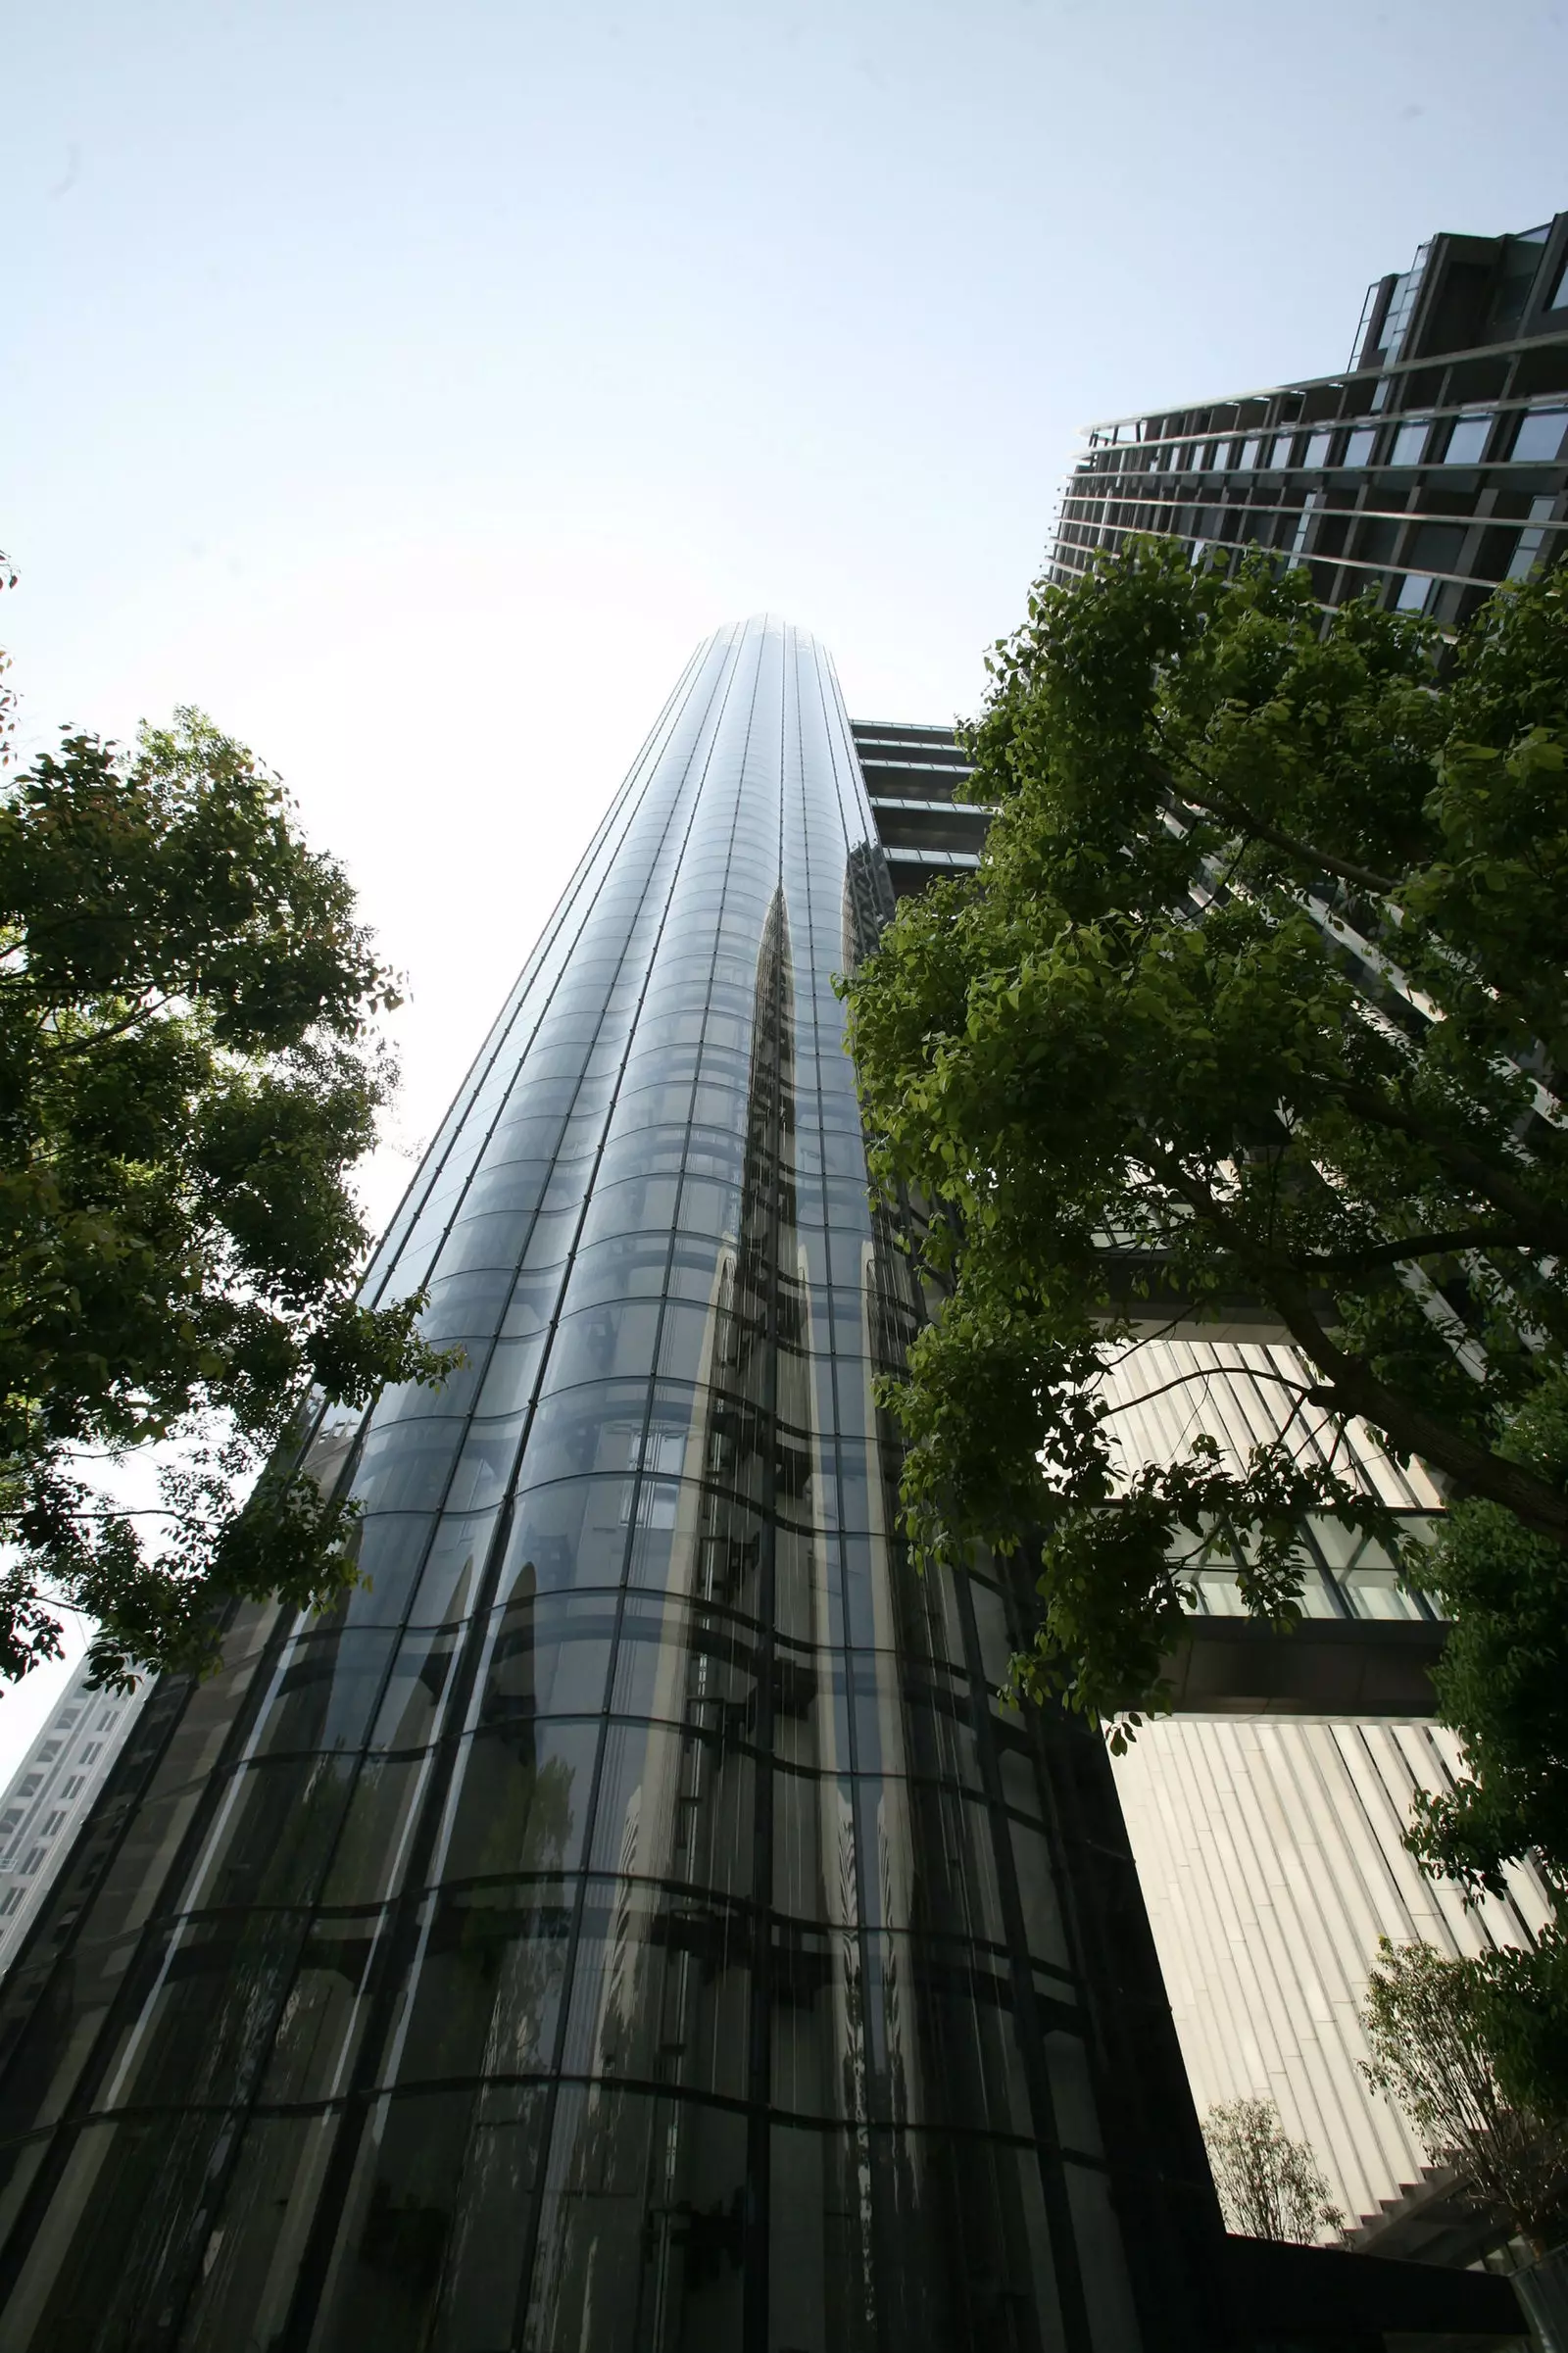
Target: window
{"points": [[1559, 293], [1436, 547], [1524, 562], [1539, 436], [1299, 541], [1280, 453], [1250, 451], [1317, 449], [1415, 591], [1467, 440], [1410, 441], [1359, 446]]}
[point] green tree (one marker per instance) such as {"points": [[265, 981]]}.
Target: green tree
{"points": [[1260, 987], [1431, 2022], [189, 1070], [1270, 2186]]}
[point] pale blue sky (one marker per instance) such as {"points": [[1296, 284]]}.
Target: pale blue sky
{"points": [[411, 387]]}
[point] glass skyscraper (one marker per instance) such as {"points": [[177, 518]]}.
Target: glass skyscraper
{"points": [[632, 1923]]}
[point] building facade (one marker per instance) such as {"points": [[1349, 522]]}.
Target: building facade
{"points": [[51, 1794], [631, 1922], [1433, 468]]}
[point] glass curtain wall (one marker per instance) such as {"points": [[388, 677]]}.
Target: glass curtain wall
{"points": [[624, 1924]]}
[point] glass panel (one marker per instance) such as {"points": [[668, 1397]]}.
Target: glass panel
{"points": [[1539, 436], [370, 1858], [436, 2223], [252, 2257], [276, 1826], [406, 1467], [572, 1532], [449, 1580], [325, 1692], [548, 1656], [320, 2023], [1467, 440], [615, 1339], [492, 1970], [463, 1304], [642, 2211], [521, 1800], [210, 1996], [821, 2280], [677, 1805], [411, 1710], [662, 1989], [388, 1549], [114, 2252]]}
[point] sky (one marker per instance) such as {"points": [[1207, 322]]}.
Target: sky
{"points": [[411, 388]]}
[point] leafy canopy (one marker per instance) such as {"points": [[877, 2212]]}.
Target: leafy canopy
{"points": [[1270, 2186], [1259, 992], [1432, 2028], [188, 1072]]}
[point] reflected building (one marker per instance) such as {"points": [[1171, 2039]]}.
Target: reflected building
{"points": [[631, 1922]]}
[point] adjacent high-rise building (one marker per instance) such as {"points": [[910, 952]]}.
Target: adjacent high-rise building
{"points": [[1428, 471], [1431, 469], [51, 1794], [631, 1922]]}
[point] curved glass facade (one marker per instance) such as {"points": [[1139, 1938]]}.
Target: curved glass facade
{"points": [[630, 1924]]}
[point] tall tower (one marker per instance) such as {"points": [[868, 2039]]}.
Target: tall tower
{"points": [[630, 1924]]}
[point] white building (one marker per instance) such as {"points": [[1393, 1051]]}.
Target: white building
{"points": [[50, 1794], [1270, 1848]]}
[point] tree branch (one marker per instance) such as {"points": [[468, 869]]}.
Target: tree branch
{"points": [[1236, 812], [1417, 1245], [1357, 1390], [1210, 1372], [116, 1029], [1543, 1227]]}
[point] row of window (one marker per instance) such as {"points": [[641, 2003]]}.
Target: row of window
{"points": [[1530, 437]]}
